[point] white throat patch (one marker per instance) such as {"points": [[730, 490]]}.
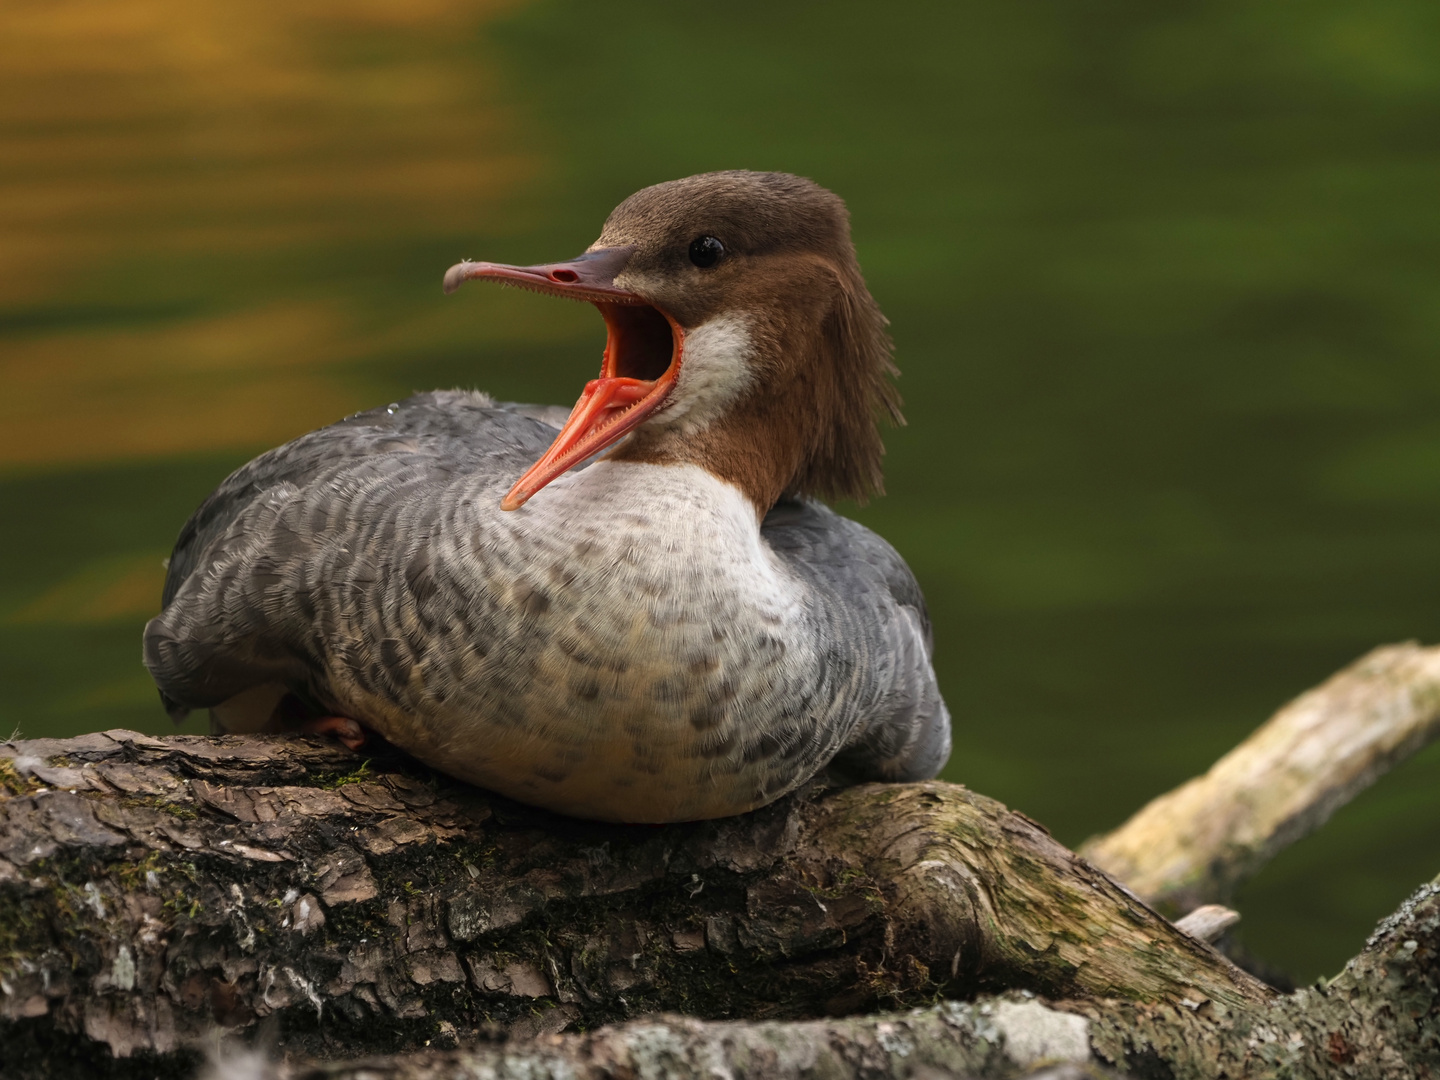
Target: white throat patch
{"points": [[714, 372]]}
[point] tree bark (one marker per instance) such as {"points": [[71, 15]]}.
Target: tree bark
{"points": [[154, 892], [1377, 1019], [155, 888]]}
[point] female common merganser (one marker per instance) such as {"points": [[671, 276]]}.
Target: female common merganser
{"points": [[674, 631]]}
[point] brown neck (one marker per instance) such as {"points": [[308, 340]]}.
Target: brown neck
{"points": [[758, 448]]}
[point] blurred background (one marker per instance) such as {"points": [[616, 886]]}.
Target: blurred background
{"points": [[1165, 286]]}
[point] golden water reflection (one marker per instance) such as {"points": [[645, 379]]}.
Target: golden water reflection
{"points": [[205, 147]]}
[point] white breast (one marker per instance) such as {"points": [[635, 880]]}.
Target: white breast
{"points": [[645, 637]]}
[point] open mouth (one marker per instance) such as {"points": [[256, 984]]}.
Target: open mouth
{"points": [[643, 350], [640, 339]]}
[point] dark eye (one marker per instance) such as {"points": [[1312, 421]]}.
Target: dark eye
{"points": [[705, 251]]}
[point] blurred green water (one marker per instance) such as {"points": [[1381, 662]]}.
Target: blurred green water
{"points": [[1165, 287]]}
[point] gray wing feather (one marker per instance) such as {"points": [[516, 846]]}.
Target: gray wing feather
{"points": [[872, 606], [256, 550]]}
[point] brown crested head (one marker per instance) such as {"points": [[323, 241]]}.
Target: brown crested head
{"points": [[741, 338], [787, 366]]}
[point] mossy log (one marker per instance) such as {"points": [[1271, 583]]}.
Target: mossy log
{"points": [[156, 893]]}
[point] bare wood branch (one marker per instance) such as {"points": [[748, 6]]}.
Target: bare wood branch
{"points": [[154, 889], [1193, 845], [1208, 922]]}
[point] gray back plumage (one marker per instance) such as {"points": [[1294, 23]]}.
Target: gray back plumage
{"points": [[879, 625], [238, 634]]}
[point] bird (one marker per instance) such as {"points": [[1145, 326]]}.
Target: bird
{"points": [[639, 611]]}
